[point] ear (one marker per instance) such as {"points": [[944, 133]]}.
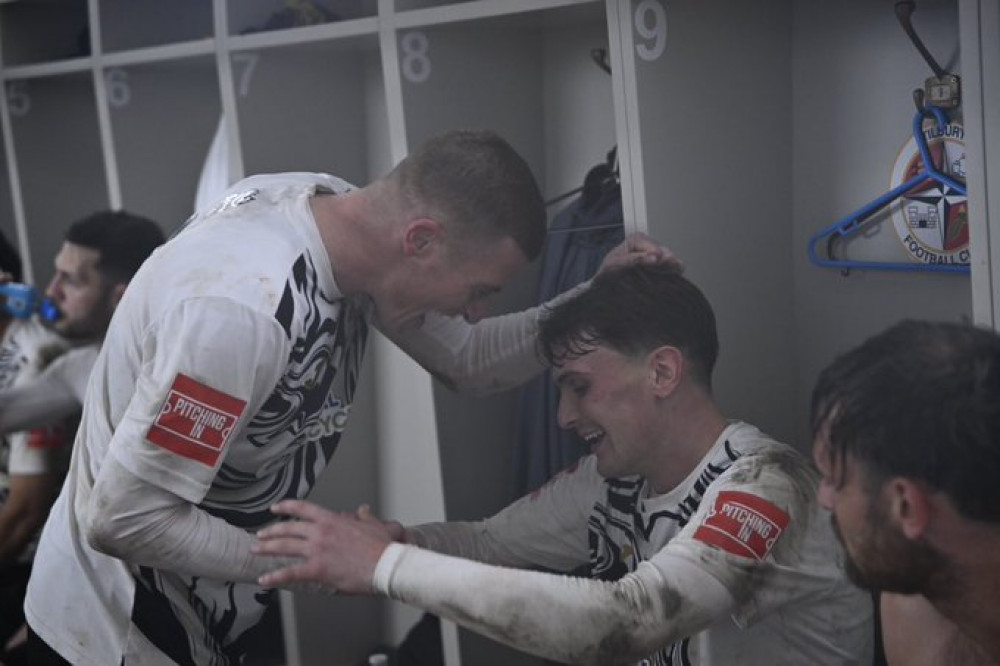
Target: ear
{"points": [[666, 366], [909, 506], [117, 291], [420, 236]]}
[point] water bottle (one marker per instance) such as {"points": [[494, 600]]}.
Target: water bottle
{"points": [[23, 300]]}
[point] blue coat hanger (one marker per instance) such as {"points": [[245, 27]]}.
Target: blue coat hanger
{"points": [[854, 222]]}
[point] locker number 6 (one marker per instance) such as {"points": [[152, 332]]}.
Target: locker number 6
{"points": [[116, 83], [18, 101]]}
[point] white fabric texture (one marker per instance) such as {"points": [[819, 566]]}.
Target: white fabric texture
{"points": [[243, 305], [26, 349], [792, 607], [572, 619], [223, 386], [50, 396]]}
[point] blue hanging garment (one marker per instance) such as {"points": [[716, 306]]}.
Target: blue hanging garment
{"points": [[578, 239]]}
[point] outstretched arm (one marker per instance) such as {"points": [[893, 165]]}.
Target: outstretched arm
{"points": [[49, 397], [498, 353], [24, 511], [558, 617]]}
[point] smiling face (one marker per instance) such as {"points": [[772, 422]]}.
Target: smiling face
{"points": [[878, 555], [607, 398]]}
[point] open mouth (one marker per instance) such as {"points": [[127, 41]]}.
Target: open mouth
{"points": [[592, 438]]}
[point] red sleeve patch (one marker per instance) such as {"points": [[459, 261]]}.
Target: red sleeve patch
{"points": [[195, 421], [742, 524], [49, 437]]}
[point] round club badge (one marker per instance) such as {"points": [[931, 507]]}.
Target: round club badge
{"points": [[932, 219]]}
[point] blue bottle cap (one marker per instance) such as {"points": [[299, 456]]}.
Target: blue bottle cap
{"points": [[48, 310]]}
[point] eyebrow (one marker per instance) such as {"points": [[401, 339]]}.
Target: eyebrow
{"points": [[561, 377]]}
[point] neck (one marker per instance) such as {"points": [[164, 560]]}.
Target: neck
{"points": [[353, 240], [969, 596], [691, 425]]}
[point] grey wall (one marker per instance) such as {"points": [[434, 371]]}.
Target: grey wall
{"points": [[761, 124], [328, 132], [715, 113], [853, 73], [60, 162], [162, 135], [7, 226]]}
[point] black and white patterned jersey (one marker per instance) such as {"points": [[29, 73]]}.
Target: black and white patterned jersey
{"points": [[746, 517], [226, 379]]}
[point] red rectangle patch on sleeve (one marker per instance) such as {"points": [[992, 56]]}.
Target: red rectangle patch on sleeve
{"points": [[195, 421], [742, 524], [47, 437]]}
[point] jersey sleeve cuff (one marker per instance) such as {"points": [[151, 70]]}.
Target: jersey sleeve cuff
{"points": [[386, 565]]}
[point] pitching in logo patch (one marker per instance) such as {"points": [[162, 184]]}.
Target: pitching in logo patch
{"points": [[195, 420], [742, 524]]}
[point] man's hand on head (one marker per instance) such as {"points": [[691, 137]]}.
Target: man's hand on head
{"points": [[638, 248]]}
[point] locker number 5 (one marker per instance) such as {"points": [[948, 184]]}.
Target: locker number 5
{"points": [[651, 26]]}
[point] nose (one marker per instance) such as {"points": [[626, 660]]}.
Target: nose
{"points": [[565, 413], [54, 290]]}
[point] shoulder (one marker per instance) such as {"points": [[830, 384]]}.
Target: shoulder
{"points": [[763, 460], [916, 634], [281, 183], [580, 481], [770, 487]]}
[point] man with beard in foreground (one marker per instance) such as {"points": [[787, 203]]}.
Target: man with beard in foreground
{"points": [[907, 439]]}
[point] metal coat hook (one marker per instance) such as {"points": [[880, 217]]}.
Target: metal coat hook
{"points": [[904, 11], [600, 58], [944, 89], [854, 222]]}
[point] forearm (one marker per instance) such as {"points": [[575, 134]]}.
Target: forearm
{"points": [[35, 404], [469, 540], [23, 513], [145, 525], [16, 530], [15, 533], [557, 617], [494, 354]]}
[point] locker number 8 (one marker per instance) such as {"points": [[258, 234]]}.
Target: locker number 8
{"points": [[416, 64], [651, 25]]}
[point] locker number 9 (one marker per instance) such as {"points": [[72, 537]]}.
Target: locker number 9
{"points": [[651, 26]]}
